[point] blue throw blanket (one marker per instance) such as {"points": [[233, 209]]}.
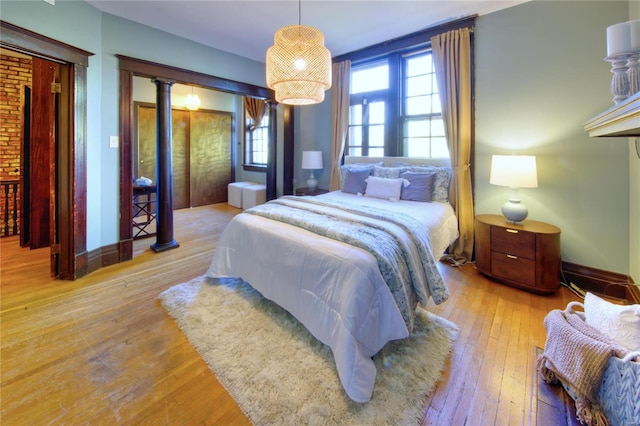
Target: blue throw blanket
{"points": [[405, 278]]}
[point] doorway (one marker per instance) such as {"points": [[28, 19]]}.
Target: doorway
{"points": [[69, 257], [30, 86]]}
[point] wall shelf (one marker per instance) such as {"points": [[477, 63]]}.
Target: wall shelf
{"points": [[620, 120]]}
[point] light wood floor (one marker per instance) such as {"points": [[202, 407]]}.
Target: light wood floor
{"points": [[102, 350]]}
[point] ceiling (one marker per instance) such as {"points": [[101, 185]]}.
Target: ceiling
{"points": [[246, 28]]}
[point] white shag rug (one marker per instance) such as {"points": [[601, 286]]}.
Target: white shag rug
{"points": [[278, 373]]}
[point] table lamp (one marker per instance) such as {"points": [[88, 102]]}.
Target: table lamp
{"points": [[312, 160], [514, 171]]}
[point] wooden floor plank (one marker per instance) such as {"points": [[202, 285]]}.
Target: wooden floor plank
{"points": [[102, 350]]}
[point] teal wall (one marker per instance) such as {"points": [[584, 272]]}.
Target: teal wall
{"points": [[540, 75], [81, 25]]}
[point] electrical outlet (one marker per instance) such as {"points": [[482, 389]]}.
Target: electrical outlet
{"points": [[114, 142]]}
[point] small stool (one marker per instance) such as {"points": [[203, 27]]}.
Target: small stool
{"points": [[234, 193], [252, 195]]}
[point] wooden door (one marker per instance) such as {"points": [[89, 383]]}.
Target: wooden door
{"points": [[146, 150], [42, 153], [201, 153], [25, 156], [210, 155]]}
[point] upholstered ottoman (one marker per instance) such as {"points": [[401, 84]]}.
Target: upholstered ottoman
{"points": [[234, 193], [252, 195]]}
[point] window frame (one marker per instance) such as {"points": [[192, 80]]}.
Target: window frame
{"points": [[402, 45], [247, 148]]}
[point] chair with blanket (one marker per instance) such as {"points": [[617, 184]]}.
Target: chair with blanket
{"points": [[595, 355]]}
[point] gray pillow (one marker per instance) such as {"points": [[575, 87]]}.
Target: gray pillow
{"points": [[420, 186], [355, 180]]}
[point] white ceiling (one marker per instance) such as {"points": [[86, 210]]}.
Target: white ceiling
{"points": [[246, 28]]}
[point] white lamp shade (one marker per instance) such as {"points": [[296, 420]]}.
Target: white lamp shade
{"points": [[312, 160], [514, 171]]}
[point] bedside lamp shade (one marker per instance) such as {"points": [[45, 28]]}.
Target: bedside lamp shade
{"points": [[312, 160], [514, 171]]}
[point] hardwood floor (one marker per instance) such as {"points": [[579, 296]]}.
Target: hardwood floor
{"points": [[102, 350]]}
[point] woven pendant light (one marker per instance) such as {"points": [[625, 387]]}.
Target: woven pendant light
{"points": [[298, 65]]}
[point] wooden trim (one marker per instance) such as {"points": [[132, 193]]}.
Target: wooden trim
{"points": [[142, 68], [103, 256], [126, 154], [604, 283], [288, 149], [138, 67], [72, 140], [34, 44], [408, 41]]}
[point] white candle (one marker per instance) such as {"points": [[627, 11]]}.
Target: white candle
{"points": [[635, 34], [618, 38]]}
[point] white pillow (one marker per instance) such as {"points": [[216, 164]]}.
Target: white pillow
{"points": [[619, 322], [388, 189]]}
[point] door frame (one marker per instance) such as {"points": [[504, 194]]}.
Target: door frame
{"points": [[70, 248], [130, 67]]}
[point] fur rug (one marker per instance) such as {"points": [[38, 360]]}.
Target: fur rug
{"points": [[278, 373]]}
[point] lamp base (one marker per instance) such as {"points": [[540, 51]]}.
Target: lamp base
{"points": [[312, 183], [514, 211]]}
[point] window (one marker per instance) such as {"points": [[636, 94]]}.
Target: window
{"points": [[257, 142], [395, 108]]}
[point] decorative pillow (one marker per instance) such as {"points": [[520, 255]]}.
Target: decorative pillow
{"points": [[387, 172], [443, 178], [620, 322], [388, 189], [355, 180], [356, 166], [420, 186]]}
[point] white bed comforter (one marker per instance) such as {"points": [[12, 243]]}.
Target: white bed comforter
{"points": [[334, 289]]}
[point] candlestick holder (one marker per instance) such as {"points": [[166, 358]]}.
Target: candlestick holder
{"points": [[620, 79], [633, 72]]}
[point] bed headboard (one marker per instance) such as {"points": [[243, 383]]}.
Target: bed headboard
{"points": [[391, 161]]}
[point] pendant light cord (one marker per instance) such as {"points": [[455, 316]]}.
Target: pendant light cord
{"points": [[299, 12]]}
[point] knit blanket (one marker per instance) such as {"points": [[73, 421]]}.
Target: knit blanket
{"points": [[577, 354], [411, 279]]}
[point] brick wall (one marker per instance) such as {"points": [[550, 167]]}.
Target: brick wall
{"points": [[15, 73]]}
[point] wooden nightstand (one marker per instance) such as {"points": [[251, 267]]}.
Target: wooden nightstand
{"points": [[307, 191], [526, 255]]}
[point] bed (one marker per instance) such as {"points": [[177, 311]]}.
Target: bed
{"points": [[349, 266]]}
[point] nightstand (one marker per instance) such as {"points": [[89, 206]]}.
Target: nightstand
{"points": [[525, 255], [307, 191]]}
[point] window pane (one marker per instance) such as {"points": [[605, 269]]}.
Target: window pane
{"points": [[437, 127], [355, 114], [439, 148], [419, 65], [420, 85], [416, 147], [376, 136], [355, 151], [370, 78], [376, 152], [418, 105], [415, 128], [355, 136], [376, 113]]}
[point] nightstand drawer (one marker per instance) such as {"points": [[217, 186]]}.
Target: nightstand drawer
{"points": [[513, 241], [514, 268]]}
